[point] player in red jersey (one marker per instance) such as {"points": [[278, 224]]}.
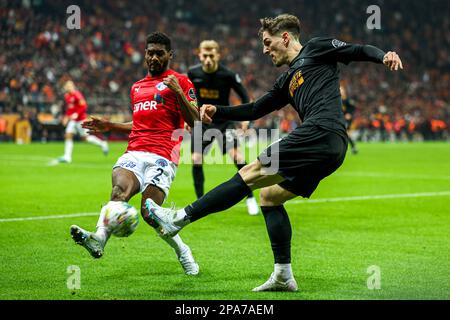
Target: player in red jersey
{"points": [[161, 103], [73, 118]]}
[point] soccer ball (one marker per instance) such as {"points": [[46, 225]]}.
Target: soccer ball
{"points": [[120, 218]]}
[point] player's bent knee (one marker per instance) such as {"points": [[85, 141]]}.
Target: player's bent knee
{"points": [[118, 194], [197, 159], [271, 196], [266, 198]]}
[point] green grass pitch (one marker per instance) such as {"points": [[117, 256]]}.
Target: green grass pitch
{"points": [[334, 244]]}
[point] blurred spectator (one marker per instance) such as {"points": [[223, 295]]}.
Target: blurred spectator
{"points": [[105, 57]]}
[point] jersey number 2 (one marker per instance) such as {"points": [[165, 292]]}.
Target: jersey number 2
{"points": [[156, 178]]}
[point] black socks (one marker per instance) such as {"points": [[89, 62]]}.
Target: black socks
{"points": [[280, 232], [218, 199], [199, 180]]}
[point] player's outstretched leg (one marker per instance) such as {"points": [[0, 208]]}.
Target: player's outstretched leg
{"points": [[98, 142], [238, 159], [218, 199], [182, 250], [68, 148]]}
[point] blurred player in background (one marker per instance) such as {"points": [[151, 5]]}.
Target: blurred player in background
{"points": [[213, 83], [348, 107], [76, 113], [162, 102]]}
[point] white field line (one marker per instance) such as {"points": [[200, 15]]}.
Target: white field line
{"points": [[323, 200], [16, 161], [363, 174], [49, 217]]}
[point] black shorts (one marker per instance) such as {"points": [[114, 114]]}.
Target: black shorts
{"points": [[225, 135], [305, 157]]}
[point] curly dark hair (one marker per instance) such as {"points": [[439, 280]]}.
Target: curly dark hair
{"points": [[159, 38]]}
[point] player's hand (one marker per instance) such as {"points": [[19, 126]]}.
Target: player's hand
{"points": [[207, 112], [392, 61], [172, 82], [187, 127], [96, 125]]}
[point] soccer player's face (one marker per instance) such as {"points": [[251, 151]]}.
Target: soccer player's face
{"points": [[209, 59], [273, 46], [157, 58]]}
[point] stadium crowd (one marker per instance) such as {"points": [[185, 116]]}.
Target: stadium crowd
{"points": [[105, 57]]}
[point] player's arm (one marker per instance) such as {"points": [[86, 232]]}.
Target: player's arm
{"points": [[96, 125], [346, 53], [245, 112], [189, 108], [237, 86]]}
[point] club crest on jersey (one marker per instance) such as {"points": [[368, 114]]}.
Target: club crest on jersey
{"points": [[191, 94], [161, 163], [296, 82], [338, 43], [161, 86]]}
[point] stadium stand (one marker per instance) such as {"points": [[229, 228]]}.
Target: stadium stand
{"points": [[104, 58]]}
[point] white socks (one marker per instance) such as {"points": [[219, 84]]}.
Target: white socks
{"points": [[68, 148], [102, 231], [283, 271], [179, 221], [176, 243], [95, 140], [103, 234]]}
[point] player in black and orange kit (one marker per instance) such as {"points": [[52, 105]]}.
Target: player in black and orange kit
{"points": [[213, 83], [294, 165], [349, 108]]}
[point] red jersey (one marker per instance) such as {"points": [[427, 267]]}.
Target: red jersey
{"points": [[76, 104], [157, 114]]}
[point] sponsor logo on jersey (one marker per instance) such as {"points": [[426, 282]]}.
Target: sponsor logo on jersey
{"points": [[338, 43], [209, 93], [145, 106], [161, 86], [127, 164], [162, 163], [137, 89], [296, 82]]}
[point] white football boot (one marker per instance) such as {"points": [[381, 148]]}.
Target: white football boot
{"points": [[252, 206], [165, 218], [88, 240], [188, 263], [275, 285]]}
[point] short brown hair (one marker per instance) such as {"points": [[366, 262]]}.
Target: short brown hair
{"points": [[279, 24]]}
